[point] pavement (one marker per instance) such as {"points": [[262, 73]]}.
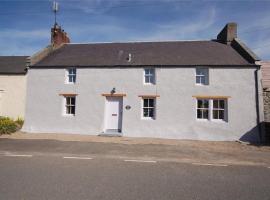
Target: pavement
{"points": [[182, 151]]}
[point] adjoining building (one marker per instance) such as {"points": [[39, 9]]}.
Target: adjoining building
{"points": [[265, 65], [12, 86]]}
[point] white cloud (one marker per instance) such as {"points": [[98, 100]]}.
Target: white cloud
{"points": [[23, 34]]}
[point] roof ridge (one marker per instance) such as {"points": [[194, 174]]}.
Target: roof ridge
{"points": [[130, 42]]}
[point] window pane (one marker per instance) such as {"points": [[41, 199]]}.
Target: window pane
{"points": [[221, 114], [145, 102], [145, 112], [70, 71], [198, 79], [151, 112], [205, 114], [205, 104], [215, 104], [199, 71], [151, 103], [199, 114], [222, 104], [152, 79], [200, 103], [67, 100], [202, 80], [67, 110], [72, 100], [72, 110], [215, 114], [147, 71]]}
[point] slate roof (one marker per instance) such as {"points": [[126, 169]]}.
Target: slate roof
{"points": [[174, 53], [13, 64]]}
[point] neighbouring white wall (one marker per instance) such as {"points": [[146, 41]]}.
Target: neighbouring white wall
{"points": [[176, 108], [12, 95]]}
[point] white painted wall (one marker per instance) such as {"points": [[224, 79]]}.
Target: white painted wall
{"points": [[12, 95], [176, 108]]}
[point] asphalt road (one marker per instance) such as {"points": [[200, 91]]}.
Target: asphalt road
{"points": [[57, 176]]}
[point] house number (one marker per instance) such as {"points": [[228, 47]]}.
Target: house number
{"points": [[128, 107]]}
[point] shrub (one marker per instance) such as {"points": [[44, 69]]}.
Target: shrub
{"points": [[19, 121], [7, 126]]}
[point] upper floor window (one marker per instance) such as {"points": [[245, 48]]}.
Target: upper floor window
{"points": [[202, 76], [71, 75], [70, 104], [149, 108], [149, 76]]}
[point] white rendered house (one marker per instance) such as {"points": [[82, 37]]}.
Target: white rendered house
{"points": [[203, 90]]}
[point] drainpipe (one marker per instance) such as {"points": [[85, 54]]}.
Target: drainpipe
{"points": [[257, 96]]}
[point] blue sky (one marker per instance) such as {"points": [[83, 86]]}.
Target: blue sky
{"points": [[25, 24]]}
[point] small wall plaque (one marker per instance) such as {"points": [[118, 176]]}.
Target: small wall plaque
{"points": [[128, 107]]}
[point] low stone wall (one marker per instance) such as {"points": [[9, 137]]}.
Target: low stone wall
{"points": [[266, 100]]}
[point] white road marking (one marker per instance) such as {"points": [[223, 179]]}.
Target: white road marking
{"points": [[17, 155], [143, 161], [209, 164], [81, 158]]}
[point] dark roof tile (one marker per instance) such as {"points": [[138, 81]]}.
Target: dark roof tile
{"points": [[144, 53], [13, 64]]}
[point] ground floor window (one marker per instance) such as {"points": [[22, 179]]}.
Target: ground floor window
{"points": [[148, 108], [202, 108], [212, 109], [70, 105]]}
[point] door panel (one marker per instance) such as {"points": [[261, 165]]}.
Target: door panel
{"points": [[113, 113]]}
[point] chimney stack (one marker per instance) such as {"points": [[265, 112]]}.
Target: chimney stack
{"points": [[58, 36], [228, 33]]}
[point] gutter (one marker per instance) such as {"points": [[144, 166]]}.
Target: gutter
{"points": [[257, 98]]}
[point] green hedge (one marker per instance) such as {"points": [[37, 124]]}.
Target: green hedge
{"points": [[8, 126]]}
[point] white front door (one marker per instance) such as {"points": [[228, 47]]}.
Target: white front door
{"points": [[113, 114]]}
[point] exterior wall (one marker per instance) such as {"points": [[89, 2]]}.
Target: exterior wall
{"points": [[176, 108], [12, 95]]}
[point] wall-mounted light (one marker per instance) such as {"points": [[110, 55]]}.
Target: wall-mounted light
{"points": [[113, 90]]}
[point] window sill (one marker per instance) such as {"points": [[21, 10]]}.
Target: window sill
{"points": [[70, 83], [198, 84], [148, 118], [68, 115], [149, 84], [213, 120], [219, 121]]}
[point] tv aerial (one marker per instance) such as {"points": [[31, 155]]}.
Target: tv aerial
{"points": [[55, 9]]}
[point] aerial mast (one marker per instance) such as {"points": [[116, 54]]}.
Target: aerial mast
{"points": [[55, 10]]}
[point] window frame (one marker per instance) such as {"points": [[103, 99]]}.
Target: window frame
{"points": [[197, 108], [211, 110], [206, 76], [65, 106], [73, 75], [225, 110], [148, 107], [149, 76]]}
